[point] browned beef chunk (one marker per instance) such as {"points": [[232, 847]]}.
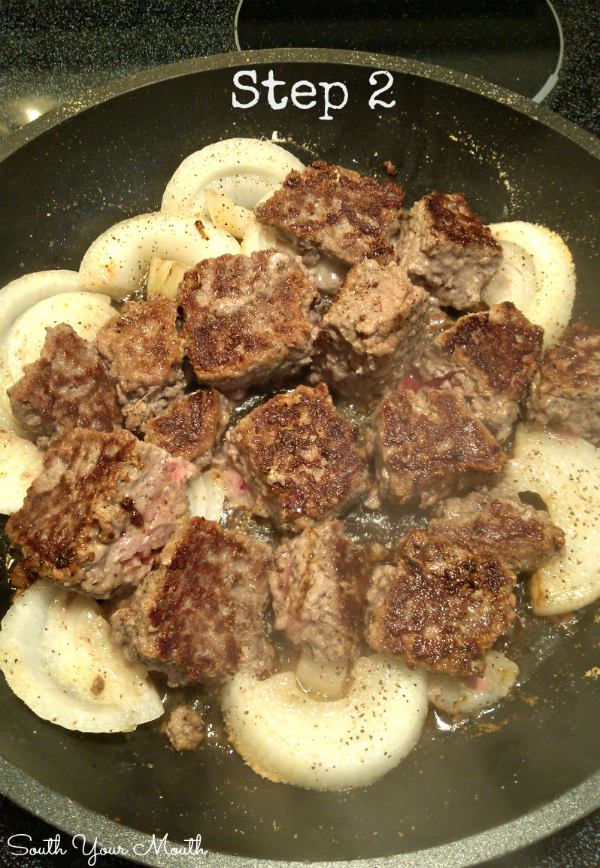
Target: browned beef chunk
{"points": [[67, 387], [490, 357], [298, 459], [199, 616], [191, 426], [441, 607], [318, 589], [445, 248], [184, 728], [144, 350], [498, 524], [565, 392], [247, 319], [426, 445], [99, 513], [346, 216], [370, 332]]}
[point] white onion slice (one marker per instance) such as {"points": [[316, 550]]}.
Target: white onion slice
{"points": [[164, 276], [15, 299], [243, 169], [457, 695], [286, 736], [260, 236], [322, 680], [206, 495], [120, 257], [57, 657], [20, 463], [536, 274], [565, 472], [225, 214]]}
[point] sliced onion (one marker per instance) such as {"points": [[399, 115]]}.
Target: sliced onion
{"points": [[164, 276], [536, 274], [206, 495], [57, 657], [243, 169], [15, 299], [260, 236], [225, 214], [286, 736], [457, 695], [20, 463], [323, 680], [119, 259], [565, 472]]}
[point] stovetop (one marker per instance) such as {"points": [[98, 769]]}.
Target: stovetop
{"points": [[53, 50]]}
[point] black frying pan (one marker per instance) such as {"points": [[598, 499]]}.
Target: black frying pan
{"points": [[462, 796]]}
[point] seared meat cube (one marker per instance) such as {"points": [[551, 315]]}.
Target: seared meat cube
{"points": [[346, 216], [441, 607], [370, 332], [184, 729], [445, 248], [490, 357], [496, 523], [144, 350], [565, 392], [318, 590], [191, 426], [67, 387], [247, 319], [426, 445], [298, 459], [199, 616], [97, 516]]}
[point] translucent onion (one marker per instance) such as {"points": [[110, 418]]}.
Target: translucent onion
{"points": [[565, 472], [20, 463], [457, 695], [286, 736]]}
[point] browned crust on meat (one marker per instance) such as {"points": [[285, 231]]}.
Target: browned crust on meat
{"points": [[520, 537], [442, 607], [427, 444], [67, 387], [246, 318], [199, 617], [318, 590], [349, 216], [452, 219], [142, 345], [298, 459], [62, 500], [565, 391], [501, 348], [191, 426]]}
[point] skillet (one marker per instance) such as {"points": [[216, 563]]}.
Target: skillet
{"points": [[530, 766]]}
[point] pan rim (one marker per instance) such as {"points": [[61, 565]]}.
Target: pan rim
{"points": [[73, 818]]}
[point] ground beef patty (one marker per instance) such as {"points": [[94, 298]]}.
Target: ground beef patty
{"points": [[67, 387], [441, 607], [370, 332], [191, 426], [247, 319], [445, 248], [565, 392], [496, 522], [98, 515], [346, 216], [318, 590], [298, 459], [490, 358], [143, 351], [427, 445], [199, 616]]}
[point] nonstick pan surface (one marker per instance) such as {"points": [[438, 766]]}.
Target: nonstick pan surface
{"points": [[466, 793]]}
